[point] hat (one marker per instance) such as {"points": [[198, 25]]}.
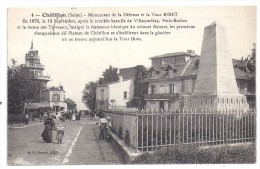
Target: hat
{"points": [[60, 127], [108, 117]]}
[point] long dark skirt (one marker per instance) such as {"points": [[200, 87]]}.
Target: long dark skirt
{"points": [[47, 135], [102, 131]]}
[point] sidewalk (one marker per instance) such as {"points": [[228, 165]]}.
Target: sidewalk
{"points": [[89, 150], [23, 125]]}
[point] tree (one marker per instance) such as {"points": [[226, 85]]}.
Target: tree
{"points": [[89, 95], [22, 88], [251, 66], [109, 75], [140, 88], [251, 60]]}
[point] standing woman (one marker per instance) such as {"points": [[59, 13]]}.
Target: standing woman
{"points": [[49, 127]]}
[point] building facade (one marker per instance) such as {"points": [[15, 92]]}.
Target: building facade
{"points": [[173, 76], [167, 82], [116, 94], [55, 98]]}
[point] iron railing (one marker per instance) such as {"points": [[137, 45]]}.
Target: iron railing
{"points": [[159, 129]]}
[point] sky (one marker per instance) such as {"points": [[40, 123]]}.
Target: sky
{"points": [[73, 64]]}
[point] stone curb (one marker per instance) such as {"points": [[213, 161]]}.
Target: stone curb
{"points": [[128, 154]]}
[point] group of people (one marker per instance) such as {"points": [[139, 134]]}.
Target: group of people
{"points": [[74, 115], [104, 124], [49, 128]]}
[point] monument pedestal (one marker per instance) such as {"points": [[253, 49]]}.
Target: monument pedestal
{"points": [[217, 102]]}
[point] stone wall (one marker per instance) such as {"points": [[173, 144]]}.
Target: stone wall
{"points": [[122, 122]]}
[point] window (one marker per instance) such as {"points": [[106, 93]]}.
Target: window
{"points": [[55, 97], [171, 88], [170, 72], [153, 74], [125, 95], [152, 89], [161, 105], [102, 94]]}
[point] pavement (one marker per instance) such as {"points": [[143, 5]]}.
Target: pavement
{"points": [[80, 146]]}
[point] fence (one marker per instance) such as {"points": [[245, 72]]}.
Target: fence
{"points": [[152, 129]]}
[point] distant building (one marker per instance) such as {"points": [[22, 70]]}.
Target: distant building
{"points": [[55, 98], [71, 105], [116, 94], [167, 80], [173, 76], [32, 62]]}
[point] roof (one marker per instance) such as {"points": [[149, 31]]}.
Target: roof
{"points": [[127, 73], [170, 66], [163, 75], [188, 70], [156, 68], [240, 74], [192, 68], [53, 89], [68, 100], [189, 52], [169, 55], [240, 63], [36, 106]]}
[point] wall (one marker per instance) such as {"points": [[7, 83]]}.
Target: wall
{"points": [[60, 104], [180, 60], [61, 93], [116, 92], [168, 60], [125, 121], [156, 62], [165, 88], [98, 92]]}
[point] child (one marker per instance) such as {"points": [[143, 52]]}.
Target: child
{"points": [[60, 133]]}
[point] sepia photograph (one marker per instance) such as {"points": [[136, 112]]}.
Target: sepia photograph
{"points": [[131, 85]]}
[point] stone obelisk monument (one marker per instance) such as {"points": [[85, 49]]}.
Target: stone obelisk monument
{"points": [[216, 86]]}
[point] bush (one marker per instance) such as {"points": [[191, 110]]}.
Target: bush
{"points": [[190, 154], [16, 118]]}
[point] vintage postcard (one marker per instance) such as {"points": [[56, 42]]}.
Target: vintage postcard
{"points": [[131, 85]]}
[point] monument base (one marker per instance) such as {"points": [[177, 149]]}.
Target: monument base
{"points": [[216, 101]]}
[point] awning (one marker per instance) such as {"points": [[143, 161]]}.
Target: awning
{"points": [[30, 106]]}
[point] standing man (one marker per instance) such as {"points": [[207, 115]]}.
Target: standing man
{"points": [[102, 126]]}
